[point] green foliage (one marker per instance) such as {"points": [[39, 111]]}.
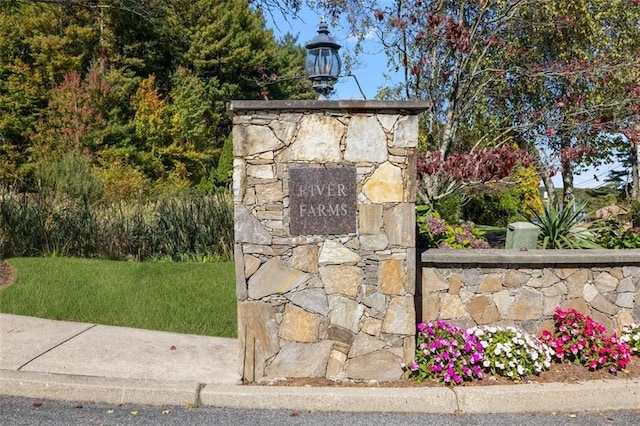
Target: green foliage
{"points": [[186, 297], [179, 228], [579, 339], [631, 336], [223, 174], [140, 88], [434, 232], [493, 208], [614, 235], [512, 353], [450, 207], [564, 228], [71, 175], [634, 213]]}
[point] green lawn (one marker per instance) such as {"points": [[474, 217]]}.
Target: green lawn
{"points": [[183, 297]]}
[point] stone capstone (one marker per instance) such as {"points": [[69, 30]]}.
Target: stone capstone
{"points": [[275, 278]]}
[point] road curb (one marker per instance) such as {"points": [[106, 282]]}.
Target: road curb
{"points": [[593, 395], [332, 399], [97, 389], [596, 395]]}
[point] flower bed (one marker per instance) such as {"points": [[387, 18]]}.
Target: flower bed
{"points": [[452, 355]]}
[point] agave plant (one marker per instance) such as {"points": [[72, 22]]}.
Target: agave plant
{"points": [[564, 227]]}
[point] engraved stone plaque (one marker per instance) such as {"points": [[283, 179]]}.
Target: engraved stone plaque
{"points": [[322, 201]]}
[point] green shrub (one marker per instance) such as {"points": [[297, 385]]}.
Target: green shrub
{"points": [[564, 228], [634, 213], [434, 232], [179, 228], [493, 208], [613, 235], [450, 208]]}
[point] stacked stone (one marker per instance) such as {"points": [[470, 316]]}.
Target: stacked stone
{"points": [[336, 306], [526, 297]]}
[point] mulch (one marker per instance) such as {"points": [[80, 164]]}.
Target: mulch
{"points": [[558, 373]]}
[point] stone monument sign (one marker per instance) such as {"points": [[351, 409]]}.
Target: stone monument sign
{"points": [[322, 201], [325, 237]]}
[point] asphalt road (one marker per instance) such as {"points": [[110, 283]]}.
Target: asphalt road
{"points": [[24, 411]]}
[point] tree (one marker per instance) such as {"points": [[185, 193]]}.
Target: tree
{"points": [[449, 55], [550, 76], [170, 66], [565, 92]]}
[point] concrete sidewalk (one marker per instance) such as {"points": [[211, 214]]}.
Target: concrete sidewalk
{"points": [[87, 362]]}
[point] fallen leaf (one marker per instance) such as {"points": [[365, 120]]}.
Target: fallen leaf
{"points": [[173, 348], [295, 415], [134, 412], [37, 404]]}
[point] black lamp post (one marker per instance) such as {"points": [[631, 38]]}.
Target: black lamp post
{"points": [[323, 64]]}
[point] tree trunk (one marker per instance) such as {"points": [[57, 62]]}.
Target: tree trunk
{"points": [[543, 172], [567, 183]]}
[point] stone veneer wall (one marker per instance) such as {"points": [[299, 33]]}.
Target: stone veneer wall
{"points": [[523, 288], [334, 306]]}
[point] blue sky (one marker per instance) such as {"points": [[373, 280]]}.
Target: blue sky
{"points": [[372, 74], [372, 64]]}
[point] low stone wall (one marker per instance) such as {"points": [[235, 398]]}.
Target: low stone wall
{"points": [[523, 288]]}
